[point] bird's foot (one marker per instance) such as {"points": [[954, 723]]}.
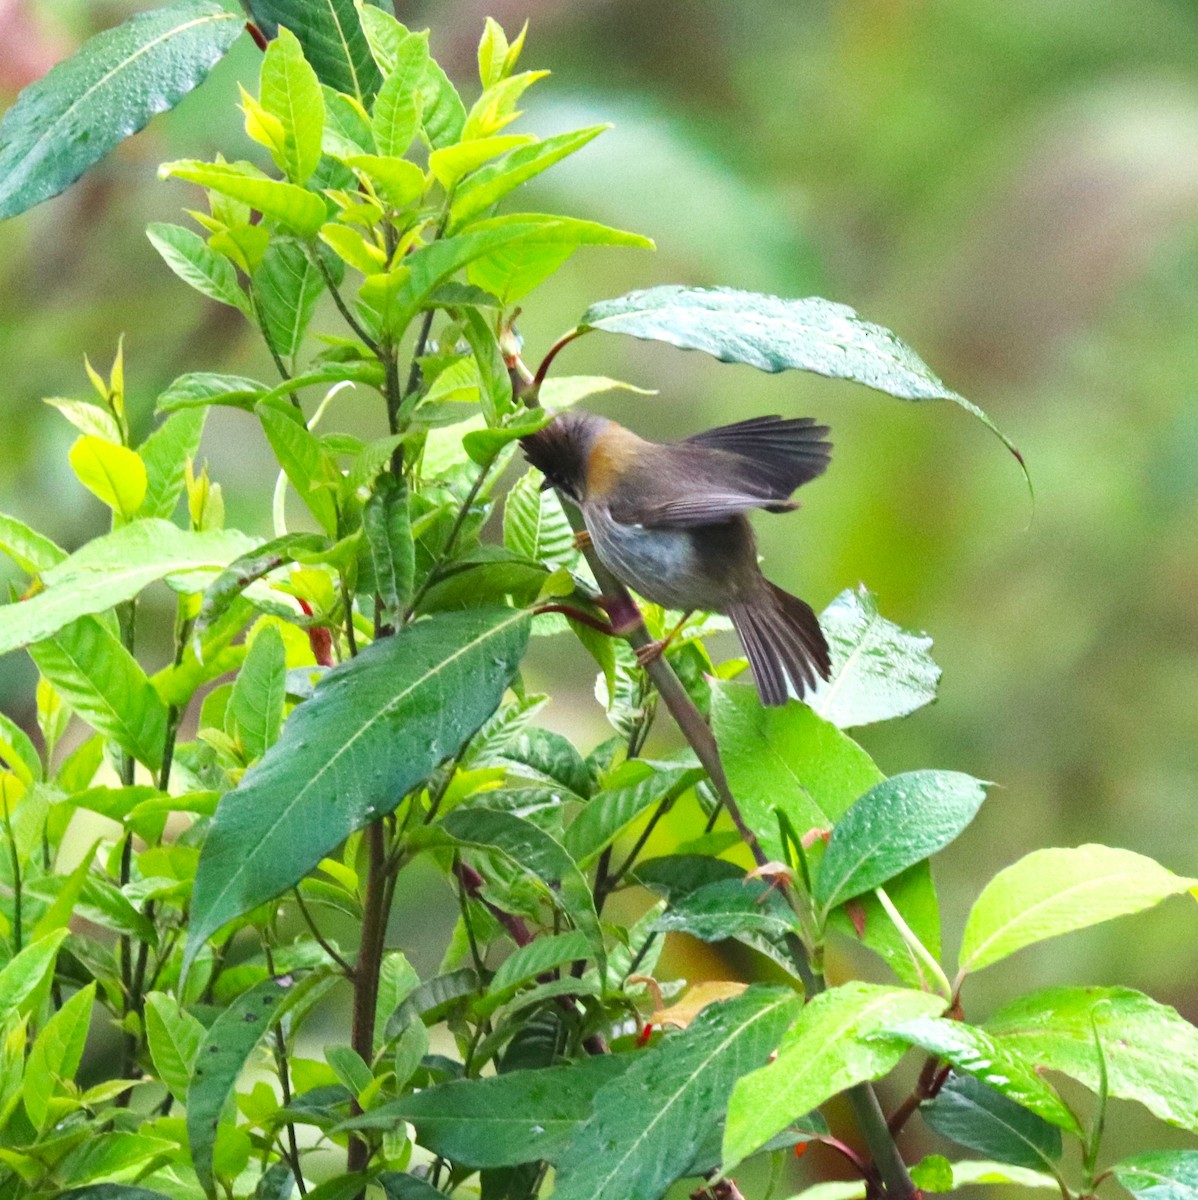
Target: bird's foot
{"points": [[582, 540], [650, 652]]}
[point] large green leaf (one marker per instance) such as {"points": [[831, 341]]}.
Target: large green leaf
{"points": [[648, 1121], [773, 334], [332, 38], [197, 264], [84, 107], [33, 552], [1162, 1175], [23, 976], [729, 908], [106, 686], [983, 1119], [879, 671], [290, 92], [1151, 1051], [1055, 891], [375, 728], [255, 709], [111, 569], [173, 1037], [56, 1053], [387, 521], [508, 1119], [831, 1047], [293, 208], [896, 824]]}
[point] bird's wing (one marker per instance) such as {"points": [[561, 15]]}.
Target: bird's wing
{"points": [[721, 473]]}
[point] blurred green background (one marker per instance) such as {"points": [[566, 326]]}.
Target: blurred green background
{"points": [[1011, 185]]}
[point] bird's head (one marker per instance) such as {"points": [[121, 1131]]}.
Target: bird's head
{"points": [[561, 449]]}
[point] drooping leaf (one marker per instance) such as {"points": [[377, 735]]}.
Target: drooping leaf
{"points": [[896, 824], [256, 702], [166, 453], [829, 1048], [879, 671], [86, 106], [287, 285], [647, 1122], [972, 1051], [110, 569], [106, 686], [1151, 1051], [773, 334], [290, 92], [1055, 891], [198, 265], [375, 727], [969, 1112], [1162, 1175]]}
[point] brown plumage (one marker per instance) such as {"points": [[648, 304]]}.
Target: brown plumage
{"points": [[668, 520]]}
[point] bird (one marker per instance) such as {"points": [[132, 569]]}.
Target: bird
{"points": [[668, 519]]}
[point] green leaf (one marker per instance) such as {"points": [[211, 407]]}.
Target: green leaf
{"points": [[84, 107], [454, 162], [518, 1117], [830, 1047], [432, 999], [397, 105], [331, 35], [173, 1036], [197, 389], [88, 418], [494, 379], [106, 1156], [312, 473], [879, 671], [535, 525], [347, 129], [773, 334], [1151, 1051], [399, 182], [287, 286], [972, 1051], [647, 1122], [492, 53], [18, 753], [1162, 1175], [531, 849], [222, 1054], [30, 550], [375, 728], [56, 1054], [256, 702], [896, 824], [443, 113], [111, 1191], [491, 183], [22, 978], [969, 1112], [388, 527], [729, 908], [110, 569], [198, 265], [970, 1172], [106, 686], [541, 955], [561, 391], [292, 208], [1055, 891], [166, 453], [290, 92], [114, 474]]}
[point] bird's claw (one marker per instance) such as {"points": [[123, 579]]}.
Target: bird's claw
{"points": [[649, 653], [582, 540]]}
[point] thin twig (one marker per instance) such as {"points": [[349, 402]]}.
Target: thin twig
{"points": [[343, 963], [350, 319]]}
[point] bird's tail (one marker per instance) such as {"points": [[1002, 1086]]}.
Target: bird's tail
{"points": [[785, 645]]}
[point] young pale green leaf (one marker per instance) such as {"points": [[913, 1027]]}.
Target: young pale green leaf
{"points": [[1162, 1175], [347, 128], [488, 185], [173, 1036], [387, 521], [969, 1172], [287, 286], [384, 34], [110, 569], [22, 978], [397, 105], [443, 114], [332, 39], [255, 711], [31, 551], [535, 524], [879, 671], [969, 1112], [564, 390], [311, 471], [56, 1053], [1055, 891], [292, 208], [531, 849], [829, 1048], [518, 1117], [166, 453], [290, 92], [1151, 1051], [647, 1122], [18, 753], [972, 1051], [773, 334], [496, 108], [399, 182], [114, 474], [453, 163], [896, 824], [88, 418], [198, 389], [375, 728], [86, 106], [106, 686], [198, 265], [492, 53]]}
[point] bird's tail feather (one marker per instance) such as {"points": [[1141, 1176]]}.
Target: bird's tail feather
{"points": [[785, 645]]}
